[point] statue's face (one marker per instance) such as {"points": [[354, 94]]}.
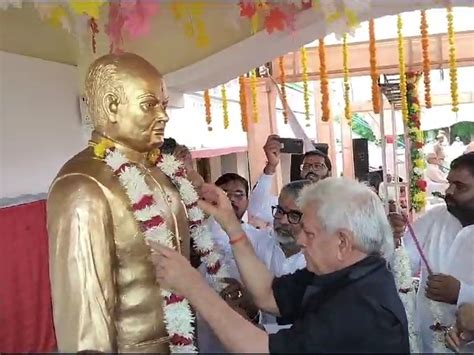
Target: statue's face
{"points": [[139, 121]]}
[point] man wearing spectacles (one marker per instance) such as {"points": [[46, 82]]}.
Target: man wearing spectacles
{"points": [[286, 219], [316, 166]]}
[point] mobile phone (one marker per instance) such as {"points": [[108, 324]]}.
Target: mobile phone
{"points": [[291, 145]]}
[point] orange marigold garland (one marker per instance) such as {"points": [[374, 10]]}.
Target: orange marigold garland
{"points": [[326, 113], [453, 70], [374, 75], [243, 104], [283, 90], [207, 106], [402, 69], [253, 90], [425, 44], [347, 87], [225, 106], [304, 65]]}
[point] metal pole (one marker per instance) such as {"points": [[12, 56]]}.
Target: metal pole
{"points": [[395, 159], [384, 152]]}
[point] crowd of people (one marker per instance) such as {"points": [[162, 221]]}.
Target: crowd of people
{"points": [[312, 270], [315, 276]]}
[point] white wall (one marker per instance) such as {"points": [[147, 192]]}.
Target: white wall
{"points": [[39, 122]]}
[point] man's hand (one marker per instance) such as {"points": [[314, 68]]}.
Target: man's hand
{"points": [[239, 299], [465, 317], [456, 339], [215, 202], [398, 223], [453, 341], [183, 154], [272, 151], [443, 288], [173, 271]]}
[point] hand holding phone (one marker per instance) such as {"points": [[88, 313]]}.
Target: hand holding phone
{"points": [[291, 145]]}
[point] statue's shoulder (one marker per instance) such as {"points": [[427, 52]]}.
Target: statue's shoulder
{"points": [[84, 169]]}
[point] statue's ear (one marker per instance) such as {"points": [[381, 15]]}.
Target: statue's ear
{"points": [[110, 105]]}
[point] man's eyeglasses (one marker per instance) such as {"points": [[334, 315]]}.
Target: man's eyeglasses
{"points": [[315, 166], [238, 195], [294, 217]]}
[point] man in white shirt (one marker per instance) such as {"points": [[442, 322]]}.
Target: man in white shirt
{"points": [[433, 172], [446, 237], [391, 190], [316, 166]]}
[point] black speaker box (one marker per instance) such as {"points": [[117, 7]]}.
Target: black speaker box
{"points": [[360, 151]]}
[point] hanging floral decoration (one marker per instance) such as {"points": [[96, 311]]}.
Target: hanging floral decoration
{"points": [[402, 69], [347, 86], [453, 70], [132, 18], [94, 31], [5, 4], [304, 66], [54, 14], [225, 106], [207, 108], [425, 44], [415, 134], [342, 16], [283, 89], [89, 8], [326, 112], [243, 103], [277, 16], [190, 14], [403, 280], [374, 75], [253, 90]]}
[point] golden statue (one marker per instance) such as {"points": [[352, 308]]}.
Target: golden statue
{"points": [[104, 293]]}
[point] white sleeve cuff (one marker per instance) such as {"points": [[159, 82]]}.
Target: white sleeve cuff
{"points": [[466, 294]]}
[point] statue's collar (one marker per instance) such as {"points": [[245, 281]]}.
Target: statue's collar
{"points": [[131, 154]]}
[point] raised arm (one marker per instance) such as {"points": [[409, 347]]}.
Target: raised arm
{"points": [[256, 277], [82, 280], [261, 198]]}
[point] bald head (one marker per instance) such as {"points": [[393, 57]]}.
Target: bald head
{"points": [[108, 75]]}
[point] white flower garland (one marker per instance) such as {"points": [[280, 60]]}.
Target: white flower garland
{"points": [[178, 316], [199, 231], [439, 341], [402, 273]]}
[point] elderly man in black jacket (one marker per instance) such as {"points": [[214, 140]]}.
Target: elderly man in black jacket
{"points": [[344, 301]]}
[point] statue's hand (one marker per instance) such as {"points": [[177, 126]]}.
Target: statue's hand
{"points": [[215, 202], [173, 271]]}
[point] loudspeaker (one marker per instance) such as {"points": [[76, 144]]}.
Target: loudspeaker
{"points": [[296, 161], [323, 147], [360, 149]]}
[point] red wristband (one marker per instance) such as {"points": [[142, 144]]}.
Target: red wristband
{"points": [[238, 239]]}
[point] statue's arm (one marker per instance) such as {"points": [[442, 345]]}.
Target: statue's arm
{"points": [[81, 247]]}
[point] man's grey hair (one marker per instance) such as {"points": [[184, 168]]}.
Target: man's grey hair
{"points": [[351, 205], [294, 188]]}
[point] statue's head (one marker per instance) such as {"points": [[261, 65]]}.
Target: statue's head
{"points": [[127, 100]]}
